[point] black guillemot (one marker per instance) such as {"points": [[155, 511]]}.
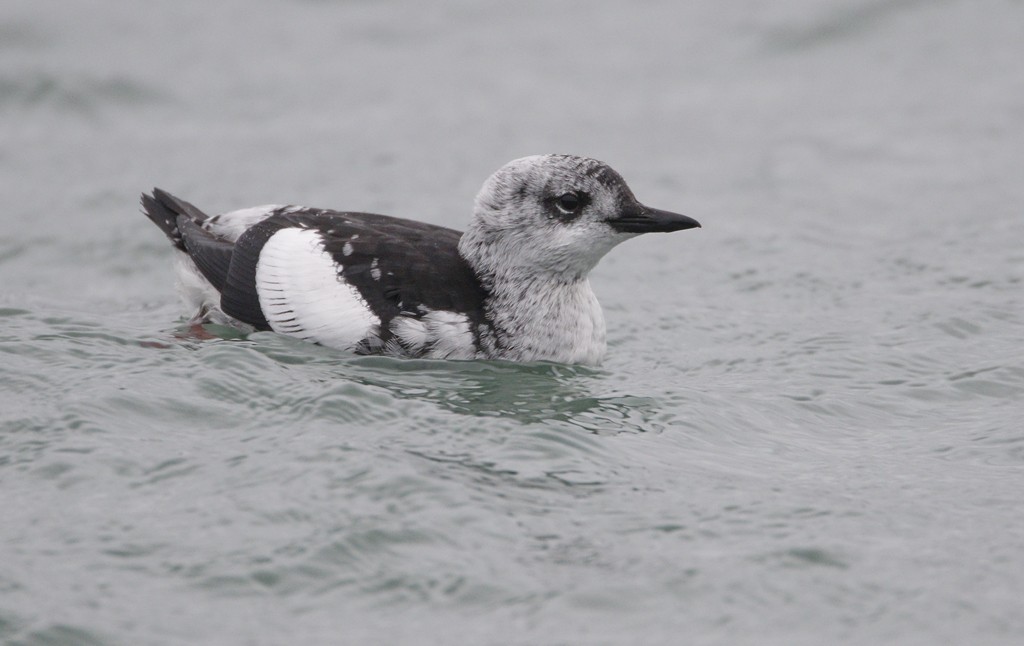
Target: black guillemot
{"points": [[514, 286]]}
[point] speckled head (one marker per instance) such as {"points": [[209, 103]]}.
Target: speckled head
{"points": [[557, 215]]}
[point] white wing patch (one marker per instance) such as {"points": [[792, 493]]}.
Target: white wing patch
{"points": [[303, 294], [438, 334]]}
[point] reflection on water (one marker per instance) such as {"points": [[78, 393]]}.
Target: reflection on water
{"points": [[534, 393], [528, 393]]}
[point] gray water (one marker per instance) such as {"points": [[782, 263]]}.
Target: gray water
{"points": [[808, 428]]}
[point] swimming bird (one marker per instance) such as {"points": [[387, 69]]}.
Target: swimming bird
{"points": [[514, 286]]}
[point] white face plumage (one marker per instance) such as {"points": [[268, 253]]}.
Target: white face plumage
{"points": [[549, 214]]}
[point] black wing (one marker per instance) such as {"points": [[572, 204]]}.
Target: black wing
{"points": [[398, 266]]}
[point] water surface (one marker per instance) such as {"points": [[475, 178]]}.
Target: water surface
{"points": [[807, 429]]}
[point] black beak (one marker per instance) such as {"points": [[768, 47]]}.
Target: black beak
{"points": [[643, 219]]}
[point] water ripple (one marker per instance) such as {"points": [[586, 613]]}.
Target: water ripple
{"points": [[79, 94]]}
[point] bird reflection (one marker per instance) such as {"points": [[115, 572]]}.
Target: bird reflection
{"points": [[530, 393]]}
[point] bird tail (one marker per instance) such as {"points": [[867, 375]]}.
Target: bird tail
{"points": [[163, 209]]}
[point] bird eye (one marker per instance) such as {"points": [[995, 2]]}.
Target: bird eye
{"points": [[569, 202]]}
